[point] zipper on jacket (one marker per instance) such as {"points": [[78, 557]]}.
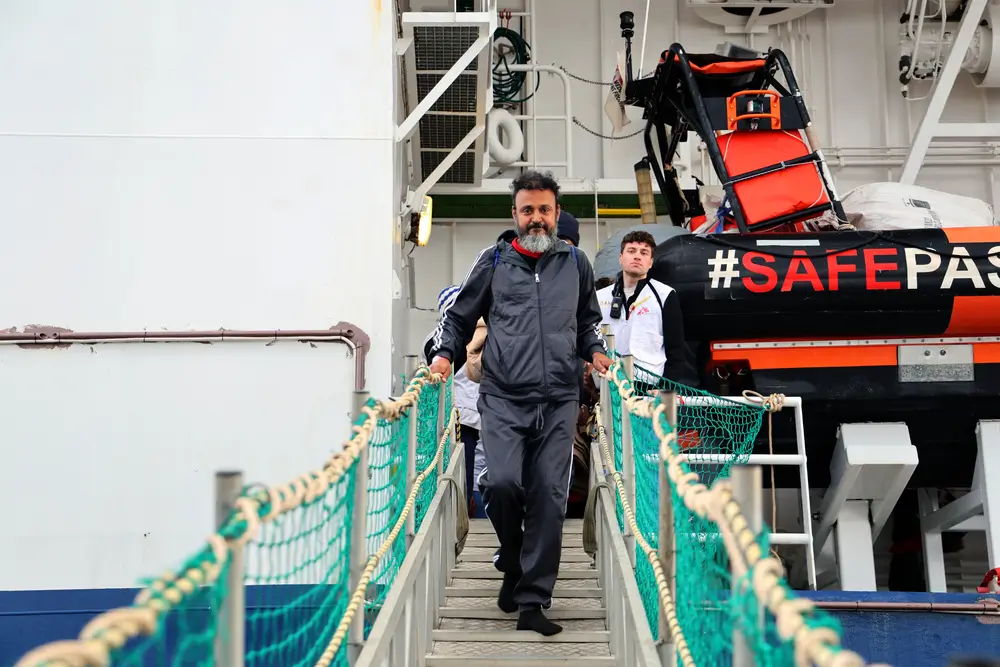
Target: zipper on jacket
{"points": [[541, 333]]}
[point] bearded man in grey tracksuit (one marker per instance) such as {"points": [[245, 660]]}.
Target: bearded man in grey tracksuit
{"points": [[538, 299]]}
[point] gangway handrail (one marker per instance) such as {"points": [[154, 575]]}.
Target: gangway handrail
{"points": [[401, 634], [632, 642], [804, 537], [761, 574]]}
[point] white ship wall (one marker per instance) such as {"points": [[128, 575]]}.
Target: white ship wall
{"points": [[182, 165], [844, 58]]}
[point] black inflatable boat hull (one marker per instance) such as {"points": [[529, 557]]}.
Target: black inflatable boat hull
{"points": [[835, 285]]}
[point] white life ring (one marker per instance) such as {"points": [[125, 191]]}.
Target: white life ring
{"points": [[504, 155]]}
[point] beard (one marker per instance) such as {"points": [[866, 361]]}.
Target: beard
{"points": [[536, 242]]}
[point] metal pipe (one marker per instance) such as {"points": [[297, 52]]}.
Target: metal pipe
{"points": [[628, 459], [984, 607], [990, 173], [981, 162], [938, 150], [529, 7], [442, 423], [343, 332], [807, 526], [642, 49], [597, 216], [627, 212], [359, 536], [667, 548], [883, 80], [230, 642], [831, 123], [525, 116], [567, 102], [746, 481], [410, 364], [605, 122], [752, 460], [526, 163]]}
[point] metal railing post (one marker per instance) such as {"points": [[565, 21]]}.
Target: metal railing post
{"points": [[411, 364], [359, 536], [628, 460], [609, 338], [442, 424], [667, 544], [747, 491], [229, 636]]}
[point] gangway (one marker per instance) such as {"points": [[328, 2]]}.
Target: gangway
{"points": [[410, 580], [442, 608]]}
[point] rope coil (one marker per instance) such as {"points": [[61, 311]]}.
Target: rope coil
{"points": [[111, 630]]}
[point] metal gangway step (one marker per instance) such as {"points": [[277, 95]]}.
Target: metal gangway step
{"points": [[473, 632]]}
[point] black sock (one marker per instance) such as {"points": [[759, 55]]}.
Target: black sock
{"points": [[534, 619], [506, 598]]}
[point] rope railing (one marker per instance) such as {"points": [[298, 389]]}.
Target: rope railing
{"points": [[654, 558], [315, 627], [100, 643], [358, 598], [814, 642]]}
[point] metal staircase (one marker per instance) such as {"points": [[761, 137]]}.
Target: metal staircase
{"points": [[473, 632]]}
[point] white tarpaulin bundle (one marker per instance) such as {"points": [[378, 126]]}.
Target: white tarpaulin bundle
{"points": [[885, 206]]}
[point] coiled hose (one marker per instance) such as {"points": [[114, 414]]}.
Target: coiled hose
{"points": [[507, 84]]}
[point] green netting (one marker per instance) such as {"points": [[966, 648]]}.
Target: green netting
{"points": [[713, 426], [387, 463], [186, 636], [427, 429], [616, 428], [297, 588], [297, 566], [708, 608]]}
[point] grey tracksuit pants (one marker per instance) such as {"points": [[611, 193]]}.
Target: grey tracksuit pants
{"points": [[529, 458]]}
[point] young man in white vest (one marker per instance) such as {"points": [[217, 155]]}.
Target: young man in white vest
{"points": [[645, 317]]}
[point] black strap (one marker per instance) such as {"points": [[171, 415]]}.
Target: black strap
{"points": [[638, 290], [659, 301]]}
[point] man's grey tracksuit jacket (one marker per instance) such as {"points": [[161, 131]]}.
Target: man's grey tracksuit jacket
{"points": [[542, 317]]}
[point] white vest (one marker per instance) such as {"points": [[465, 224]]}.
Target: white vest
{"points": [[641, 335]]}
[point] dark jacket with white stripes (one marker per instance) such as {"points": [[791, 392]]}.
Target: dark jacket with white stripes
{"points": [[540, 320]]}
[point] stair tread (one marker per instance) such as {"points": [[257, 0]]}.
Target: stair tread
{"points": [[482, 589], [489, 602], [570, 527], [485, 554], [490, 539], [486, 649], [471, 565], [461, 572], [508, 622], [563, 583], [561, 610], [517, 661], [520, 637]]}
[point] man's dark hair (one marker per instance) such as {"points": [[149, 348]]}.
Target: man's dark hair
{"points": [[601, 283], [533, 180], [639, 236]]}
